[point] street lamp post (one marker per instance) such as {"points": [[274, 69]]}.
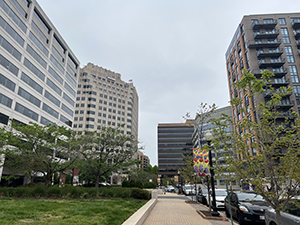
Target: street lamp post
{"points": [[208, 138], [179, 183]]}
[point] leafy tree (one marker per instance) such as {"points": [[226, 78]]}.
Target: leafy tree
{"points": [[107, 152], [267, 142], [143, 175], [44, 149]]}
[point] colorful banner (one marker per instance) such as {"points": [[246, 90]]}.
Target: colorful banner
{"points": [[176, 179], [201, 162]]}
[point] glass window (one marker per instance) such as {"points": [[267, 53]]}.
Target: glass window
{"points": [[19, 7], [41, 20], [67, 110], [45, 121], [66, 120], [57, 54], [52, 98], [56, 63], [53, 86], [49, 110], [36, 56], [29, 97], [282, 21], [5, 100], [27, 112], [289, 54], [11, 31], [294, 74], [69, 89], [4, 118], [13, 16], [70, 59], [73, 82], [285, 36], [38, 44], [33, 69], [55, 75], [8, 65], [59, 44], [8, 47], [7, 83], [68, 99], [37, 29]]}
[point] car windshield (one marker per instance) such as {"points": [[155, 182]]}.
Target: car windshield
{"points": [[221, 192], [247, 197], [293, 208], [204, 191], [188, 187]]}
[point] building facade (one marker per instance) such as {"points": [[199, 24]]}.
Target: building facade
{"points": [[104, 100], [265, 42], [145, 160], [38, 70], [174, 140]]}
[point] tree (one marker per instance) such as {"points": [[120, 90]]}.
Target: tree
{"points": [[107, 152], [39, 149], [266, 143]]}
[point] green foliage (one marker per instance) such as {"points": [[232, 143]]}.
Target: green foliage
{"points": [[106, 152], [132, 183], [140, 194], [150, 185], [265, 146], [125, 183], [139, 184]]}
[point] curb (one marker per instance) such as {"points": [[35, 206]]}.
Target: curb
{"points": [[141, 215]]}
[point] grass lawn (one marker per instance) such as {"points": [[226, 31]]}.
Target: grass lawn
{"points": [[73, 211]]}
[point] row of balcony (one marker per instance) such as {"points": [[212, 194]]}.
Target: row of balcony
{"points": [[263, 43], [266, 34], [278, 62], [269, 93], [278, 72], [271, 53], [266, 24]]}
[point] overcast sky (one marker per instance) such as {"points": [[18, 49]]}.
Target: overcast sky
{"points": [[174, 50]]}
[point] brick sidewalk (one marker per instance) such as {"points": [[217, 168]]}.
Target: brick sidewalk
{"points": [[171, 209]]}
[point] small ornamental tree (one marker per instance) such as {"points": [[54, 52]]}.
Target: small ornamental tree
{"points": [[107, 152], [35, 149], [266, 143]]}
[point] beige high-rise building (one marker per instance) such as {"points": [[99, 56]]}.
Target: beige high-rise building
{"points": [[103, 100]]}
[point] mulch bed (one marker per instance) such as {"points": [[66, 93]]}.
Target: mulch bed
{"points": [[191, 202], [207, 215]]}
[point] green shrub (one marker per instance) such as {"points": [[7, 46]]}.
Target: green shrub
{"points": [[132, 183], [125, 183], [54, 191], [139, 184], [39, 191], [149, 185], [140, 194]]}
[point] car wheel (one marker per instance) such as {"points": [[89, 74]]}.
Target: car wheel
{"points": [[240, 220], [226, 212]]}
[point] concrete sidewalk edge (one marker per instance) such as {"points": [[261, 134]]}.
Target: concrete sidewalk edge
{"points": [[141, 215]]}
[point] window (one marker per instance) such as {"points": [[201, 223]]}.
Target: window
{"points": [[285, 36], [31, 83], [69, 89], [55, 75], [297, 94], [33, 69], [45, 121], [68, 99], [89, 126], [5, 100], [282, 21], [36, 56], [53, 86], [11, 31], [8, 47], [51, 111], [67, 110], [57, 64], [66, 120], [294, 74], [37, 29], [8, 65], [27, 112], [29, 97], [38, 44], [289, 54], [90, 119], [266, 21], [90, 112], [42, 21]]}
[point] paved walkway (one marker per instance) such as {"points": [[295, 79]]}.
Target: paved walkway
{"points": [[171, 209]]}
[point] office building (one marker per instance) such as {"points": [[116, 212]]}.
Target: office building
{"points": [[174, 140], [145, 161], [265, 42], [201, 127], [38, 70], [104, 100]]}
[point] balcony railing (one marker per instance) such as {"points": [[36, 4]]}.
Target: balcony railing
{"points": [[280, 82], [277, 62], [263, 43], [296, 23], [268, 34], [278, 72], [264, 24], [271, 53]]}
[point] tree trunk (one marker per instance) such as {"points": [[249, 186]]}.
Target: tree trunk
{"points": [[47, 181], [97, 181], [279, 218]]}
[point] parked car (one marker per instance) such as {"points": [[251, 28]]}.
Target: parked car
{"points": [[246, 207], [290, 214], [202, 196], [189, 190], [220, 198], [170, 188]]}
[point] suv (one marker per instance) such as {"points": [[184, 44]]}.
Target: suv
{"points": [[246, 207]]}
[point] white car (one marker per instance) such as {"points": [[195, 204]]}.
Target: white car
{"points": [[220, 197], [189, 190]]}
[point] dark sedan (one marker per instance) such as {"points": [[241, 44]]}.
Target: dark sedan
{"points": [[246, 207]]}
